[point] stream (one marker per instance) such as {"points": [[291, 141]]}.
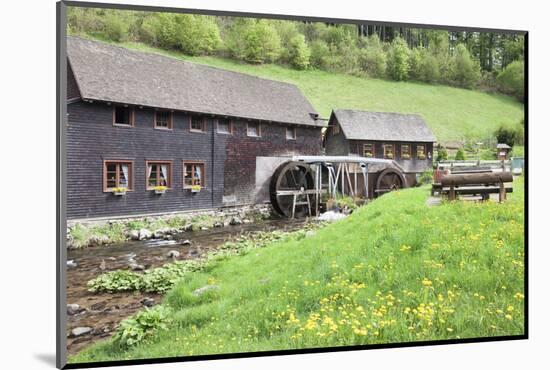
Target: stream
{"points": [[104, 311]]}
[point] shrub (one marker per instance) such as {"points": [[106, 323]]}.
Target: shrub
{"points": [[460, 156], [506, 135], [487, 154], [464, 70], [441, 153], [336, 35], [426, 177], [398, 60], [347, 55], [286, 30], [416, 58], [197, 35], [161, 279], [429, 68], [166, 30], [512, 79], [84, 20], [115, 281], [372, 58], [261, 43], [115, 28], [142, 326], [148, 30], [318, 54], [299, 52]]}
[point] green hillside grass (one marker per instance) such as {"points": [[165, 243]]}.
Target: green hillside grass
{"points": [[394, 271], [452, 113]]}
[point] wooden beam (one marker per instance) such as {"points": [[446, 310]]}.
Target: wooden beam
{"points": [[477, 178]]}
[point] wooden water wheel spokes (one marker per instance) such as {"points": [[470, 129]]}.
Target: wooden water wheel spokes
{"points": [[292, 189], [388, 180]]}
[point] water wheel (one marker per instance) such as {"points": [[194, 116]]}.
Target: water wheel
{"points": [[291, 189], [388, 180]]}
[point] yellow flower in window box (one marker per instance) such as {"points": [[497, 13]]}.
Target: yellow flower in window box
{"points": [[161, 189], [368, 155], [119, 191], [195, 188], [405, 156]]}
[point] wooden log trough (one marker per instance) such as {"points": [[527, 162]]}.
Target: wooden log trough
{"points": [[480, 183]]}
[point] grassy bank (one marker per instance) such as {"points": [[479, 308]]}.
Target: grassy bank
{"points": [[452, 113], [396, 270], [89, 235]]}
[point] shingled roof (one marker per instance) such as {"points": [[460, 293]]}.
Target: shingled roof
{"points": [[110, 73], [381, 126]]}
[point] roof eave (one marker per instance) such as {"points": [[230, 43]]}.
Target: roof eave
{"points": [[103, 100]]}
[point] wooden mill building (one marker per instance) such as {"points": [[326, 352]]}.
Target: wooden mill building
{"points": [[152, 134], [404, 138]]}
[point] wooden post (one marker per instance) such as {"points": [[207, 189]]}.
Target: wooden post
{"points": [[355, 179], [452, 195], [342, 173], [329, 182], [502, 193], [351, 192]]}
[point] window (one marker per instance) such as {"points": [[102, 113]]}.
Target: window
{"points": [[368, 150], [291, 133], [159, 173], [421, 152], [336, 129], [388, 151], [253, 129], [193, 174], [197, 124], [117, 174], [123, 116], [405, 151], [224, 126], [163, 119]]}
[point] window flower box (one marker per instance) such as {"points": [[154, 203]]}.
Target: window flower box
{"points": [[119, 191], [368, 155], [406, 156], [195, 188], [421, 156], [160, 189]]}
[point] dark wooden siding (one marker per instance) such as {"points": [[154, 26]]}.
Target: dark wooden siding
{"points": [[336, 144], [230, 160], [242, 150], [412, 165]]}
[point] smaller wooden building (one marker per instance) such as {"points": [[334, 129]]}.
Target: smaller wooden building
{"points": [[404, 138], [503, 151]]}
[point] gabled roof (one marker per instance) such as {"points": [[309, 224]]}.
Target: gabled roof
{"points": [[503, 146], [363, 125], [110, 73]]}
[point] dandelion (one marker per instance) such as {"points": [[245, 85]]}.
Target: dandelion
{"points": [[427, 282], [405, 248], [510, 308], [518, 296], [450, 330], [509, 317]]}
